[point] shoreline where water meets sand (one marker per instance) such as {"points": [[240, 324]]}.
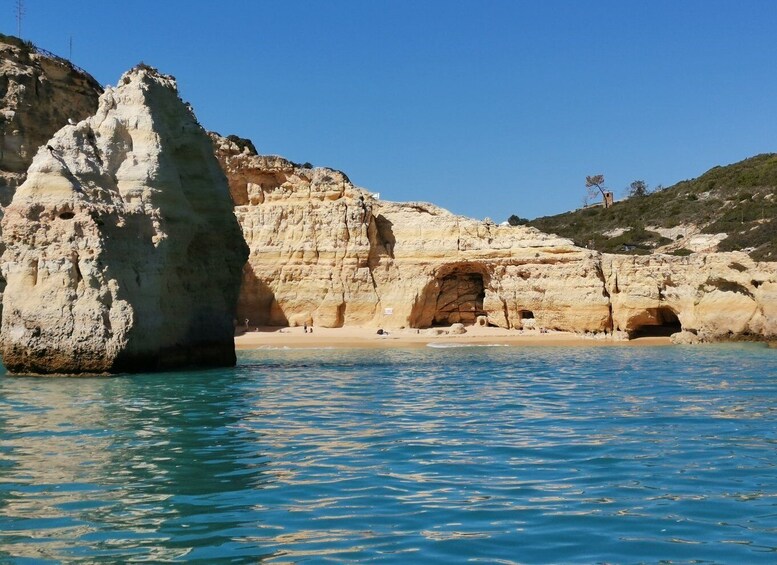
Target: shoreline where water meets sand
{"points": [[364, 337]]}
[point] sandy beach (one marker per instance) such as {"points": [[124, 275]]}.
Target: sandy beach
{"points": [[351, 337]]}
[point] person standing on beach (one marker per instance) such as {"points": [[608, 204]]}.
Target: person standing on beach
{"points": [[305, 327]]}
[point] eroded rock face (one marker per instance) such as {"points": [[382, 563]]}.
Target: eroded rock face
{"points": [[309, 234], [713, 295], [122, 250], [326, 252], [38, 95], [524, 273]]}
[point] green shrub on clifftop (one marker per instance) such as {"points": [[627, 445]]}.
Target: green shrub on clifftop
{"points": [[739, 200]]}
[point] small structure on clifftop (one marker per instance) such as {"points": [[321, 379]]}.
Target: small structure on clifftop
{"points": [[122, 251]]}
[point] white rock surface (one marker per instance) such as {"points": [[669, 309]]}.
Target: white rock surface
{"points": [[38, 94], [122, 250]]}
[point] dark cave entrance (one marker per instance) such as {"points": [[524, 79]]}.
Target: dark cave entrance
{"points": [[659, 322], [456, 293], [460, 299]]}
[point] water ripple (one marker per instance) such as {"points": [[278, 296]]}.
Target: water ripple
{"points": [[495, 455]]}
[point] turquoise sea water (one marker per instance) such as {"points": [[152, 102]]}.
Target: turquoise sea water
{"points": [[481, 454]]}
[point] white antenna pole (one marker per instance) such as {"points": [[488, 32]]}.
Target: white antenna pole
{"points": [[19, 14]]}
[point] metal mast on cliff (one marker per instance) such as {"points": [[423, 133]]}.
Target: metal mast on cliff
{"points": [[19, 15]]}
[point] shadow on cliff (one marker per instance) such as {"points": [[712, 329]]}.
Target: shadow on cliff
{"points": [[455, 293], [256, 304], [72, 178], [385, 234]]}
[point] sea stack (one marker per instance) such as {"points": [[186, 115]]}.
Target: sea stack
{"points": [[122, 250]]}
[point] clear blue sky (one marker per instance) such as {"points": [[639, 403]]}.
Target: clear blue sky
{"points": [[487, 108]]}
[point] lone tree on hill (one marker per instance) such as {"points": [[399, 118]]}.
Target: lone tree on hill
{"points": [[517, 220], [597, 182], [638, 188]]}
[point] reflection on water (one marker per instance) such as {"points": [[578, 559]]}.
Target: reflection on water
{"points": [[498, 454], [123, 466]]}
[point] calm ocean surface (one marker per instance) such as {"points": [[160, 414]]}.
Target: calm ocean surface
{"points": [[481, 454]]}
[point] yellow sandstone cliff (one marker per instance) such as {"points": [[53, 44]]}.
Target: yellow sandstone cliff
{"points": [[325, 252]]}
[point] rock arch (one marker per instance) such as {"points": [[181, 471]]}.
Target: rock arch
{"points": [[654, 322], [456, 293]]}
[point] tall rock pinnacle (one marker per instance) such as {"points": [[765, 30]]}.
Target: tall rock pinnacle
{"points": [[122, 251]]}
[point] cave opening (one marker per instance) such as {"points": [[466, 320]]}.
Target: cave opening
{"points": [[659, 322], [460, 299], [527, 321]]}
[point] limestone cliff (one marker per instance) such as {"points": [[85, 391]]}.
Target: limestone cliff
{"points": [[308, 231], [712, 295], [39, 93], [122, 250], [326, 252]]}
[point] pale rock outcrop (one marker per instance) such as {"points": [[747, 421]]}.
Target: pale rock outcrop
{"points": [[326, 252], [122, 250], [439, 261], [715, 295], [39, 93], [308, 231]]}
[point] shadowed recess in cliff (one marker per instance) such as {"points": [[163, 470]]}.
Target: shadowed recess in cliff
{"points": [[256, 302], [456, 294], [655, 322], [385, 233]]}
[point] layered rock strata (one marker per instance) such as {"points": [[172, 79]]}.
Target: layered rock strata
{"points": [[38, 95], [122, 250], [328, 253], [711, 295]]}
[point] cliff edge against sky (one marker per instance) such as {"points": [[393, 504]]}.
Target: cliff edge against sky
{"points": [[328, 253], [122, 255]]}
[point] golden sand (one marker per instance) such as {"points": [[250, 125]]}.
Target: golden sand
{"points": [[350, 337]]}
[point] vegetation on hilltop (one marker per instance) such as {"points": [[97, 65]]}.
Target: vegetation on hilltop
{"points": [[243, 143], [737, 199], [28, 48], [16, 42]]}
